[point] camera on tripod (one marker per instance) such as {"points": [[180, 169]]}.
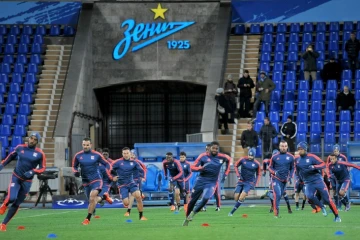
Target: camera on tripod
{"points": [[44, 188], [47, 175]]}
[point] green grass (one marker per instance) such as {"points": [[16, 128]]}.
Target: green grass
{"points": [[163, 224]]}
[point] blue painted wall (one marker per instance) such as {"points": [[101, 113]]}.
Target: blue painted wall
{"points": [[39, 12], [295, 11]]}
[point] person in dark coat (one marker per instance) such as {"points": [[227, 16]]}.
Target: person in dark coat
{"points": [[266, 134], [345, 100], [220, 99], [230, 90], [310, 68], [289, 131], [352, 48], [245, 84], [332, 71], [264, 87], [249, 139]]}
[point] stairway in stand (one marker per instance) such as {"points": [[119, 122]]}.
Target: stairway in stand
{"points": [[48, 96]]}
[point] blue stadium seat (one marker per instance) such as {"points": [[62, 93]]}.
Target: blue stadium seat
{"points": [[8, 59], [5, 68], [330, 105], [343, 148], [281, 28], [280, 37], [316, 95], [303, 95], [315, 127], [276, 126], [334, 27], [268, 28], [331, 84], [329, 138], [316, 106], [265, 57], [19, 68], [345, 127], [317, 85], [288, 106], [293, 56], [356, 126], [258, 151], [16, 140], [38, 39], [28, 88], [333, 46], [3, 29], [254, 29], [279, 56], [260, 116], [333, 54], [19, 130], [36, 48], [357, 136], [1, 99], [239, 30], [290, 75], [290, 85], [308, 27], [321, 55], [319, 65], [330, 115], [278, 85], [279, 66], [151, 178], [321, 27], [280, 47], [319, 46], [15, 88], [328, 148], [21, 58], [2, 88], [285, 115], [305, 45], [4, 78], [275, 95], [346, 82], [22, 119], [278, 76], [348, 26], [357, 94], [15, 29], [357, 115], [1, 40], [4, 141], [35, 58], [294, 38], [301, 137], [5, 130], [27, 30], [55, 30], [17, 78], [303, 85], [24, 109], [315, 138], [7, 119], [357, 105], [302, 127], [293, 47], [295, 27], [345, 115], [344, 137], [302, 116], [26, 98], [274, 116], [346, 36], [315, 148], [307, 37], [303, 105], [334, 36], [11, 39], [289, 95], [268, 38], [25, 39], [320, 38], [40, 29], [12, 98], [69, 31], [30, 77], [33, 68], [257, 126], [266, 47], [315, 116], [274, 106]]}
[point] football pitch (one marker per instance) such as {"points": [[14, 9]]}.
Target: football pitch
{"points": [[247, 223]]}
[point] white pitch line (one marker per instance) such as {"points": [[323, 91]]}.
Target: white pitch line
{"points": [[46, 214]]}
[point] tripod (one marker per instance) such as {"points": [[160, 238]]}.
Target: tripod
{"points": [[44, 190]]}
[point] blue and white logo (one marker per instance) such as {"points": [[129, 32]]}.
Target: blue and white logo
{"points": [[149, 33], [71, 202]]}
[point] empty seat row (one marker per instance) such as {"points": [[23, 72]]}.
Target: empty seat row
{"points": [[16, 88], [22, 48], [22, 58], [11, 109], [15, 140], [14, 98], [20, 119], [19, 130], [306, 37], [55, 30], [19, 68], [23, 39], [18, 78]]}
